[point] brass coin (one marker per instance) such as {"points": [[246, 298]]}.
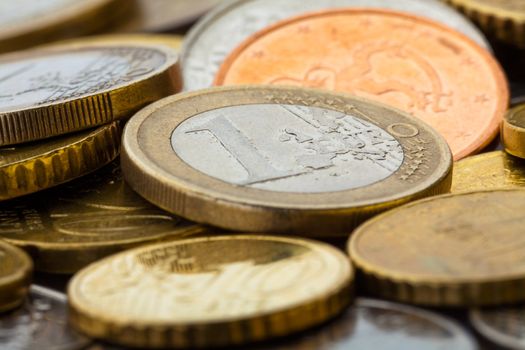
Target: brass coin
{"points": [[453, 250], [502, 326], [86, 220], [33, 167], [513, 131], [16, 269], [62, 89], [214, 291], [281, 159], [488, 171]]}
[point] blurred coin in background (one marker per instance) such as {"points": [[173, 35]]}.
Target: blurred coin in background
{"points": [[16, 269], [503, 326]]}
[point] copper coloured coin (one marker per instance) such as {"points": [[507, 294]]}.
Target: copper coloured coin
{"points": [[408, 62]]}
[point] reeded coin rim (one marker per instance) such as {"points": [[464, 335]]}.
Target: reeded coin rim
{"points": [[494, 11]]}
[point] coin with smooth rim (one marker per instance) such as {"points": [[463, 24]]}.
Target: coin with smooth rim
{"points": [[33, 167], [503, 326], [278, 159], [513, 131], [62, 89], [453, 250], [16, 269], [212, 291], [171, 40], [206, 48], [408, 62]]}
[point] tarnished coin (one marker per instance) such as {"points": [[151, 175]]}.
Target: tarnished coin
{"points": [[488, 171], [86, 220], [214, 291], [513, 131], [277, 159], [16, 269], [454, 250], [53, 91], [36, 166], [206, 48], [41, 323], [504, 326], [408, 62]]}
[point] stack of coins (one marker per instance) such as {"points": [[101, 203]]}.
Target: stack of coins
{"points": [[311, 174]]}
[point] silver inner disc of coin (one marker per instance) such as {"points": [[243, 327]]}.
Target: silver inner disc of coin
{"points": [[287, 148]]}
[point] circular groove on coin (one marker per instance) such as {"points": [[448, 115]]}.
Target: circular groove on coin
{"points": [[513, 131], [504, 326], [16, 269]]}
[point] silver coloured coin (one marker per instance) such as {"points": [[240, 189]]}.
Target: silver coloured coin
{"points": [[502, 326], [16, 12], [217, 34], [41, 323]]}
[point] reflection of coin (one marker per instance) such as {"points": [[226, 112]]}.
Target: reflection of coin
{"points": [[408, 62], [41, 323], [453, 250], [205, 48], [15, 275], [86, 220], [281, 159], [513, 131], [66, 88], [33, 167], [210, 291], [504, 326], [488, 171]]}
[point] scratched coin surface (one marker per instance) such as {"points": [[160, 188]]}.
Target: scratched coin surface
{"points": [[62, 89], [261, 159], [408, 62], [40, 323], [16, 269], [86, 220], [201, 292], [453, 250], [205, 48], [503, 326]]}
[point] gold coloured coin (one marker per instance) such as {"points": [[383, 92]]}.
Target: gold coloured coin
{"points": [[278, 159], [488, 171], [513, 131], [36, 166], [212, 291], [62, 89], [453, 250], [86, 220], [171, 40], [16, 269]]}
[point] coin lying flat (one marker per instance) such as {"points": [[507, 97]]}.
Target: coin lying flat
{"points": [[41, 323], [15, 276], [86, 220], [205, 48], [488, 171], [36, 166], [49, 92], [408, 62], [513, 131], [214, 291], [276, 159], [453, 250], [502, 326]]}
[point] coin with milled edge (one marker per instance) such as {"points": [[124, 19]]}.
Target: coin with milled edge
{"points": [[212, 291], [513, 131], [205, 48], [36, 166], [277, 159], [503, 326], [453, 250], [41, 323], [16, 269], [61, 89]]}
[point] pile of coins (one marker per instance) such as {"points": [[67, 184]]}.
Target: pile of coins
{"points": [[299, 174]]}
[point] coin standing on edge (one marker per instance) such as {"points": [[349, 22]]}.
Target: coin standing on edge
{"points": [[16, 269], [513, 131], [454, 250], [408, 62], [212, 291], [25, 169], [62, 89], [503, 326], [277, 159], [205, 48]]}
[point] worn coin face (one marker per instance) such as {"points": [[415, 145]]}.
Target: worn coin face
{"points": [[385, 56], [53, 91], [513, 131], [206, 288], [454, 250], [15, 276], [280, 159], [503, 326], [41, 323], [205, 48]]}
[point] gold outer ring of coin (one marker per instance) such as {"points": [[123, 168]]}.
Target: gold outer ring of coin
{"points": [[384, 262], [173, 41], [207, 264], [503, 23], [15, 276], [70, 115], [173, 185], [513, 131], [34, 167]]}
